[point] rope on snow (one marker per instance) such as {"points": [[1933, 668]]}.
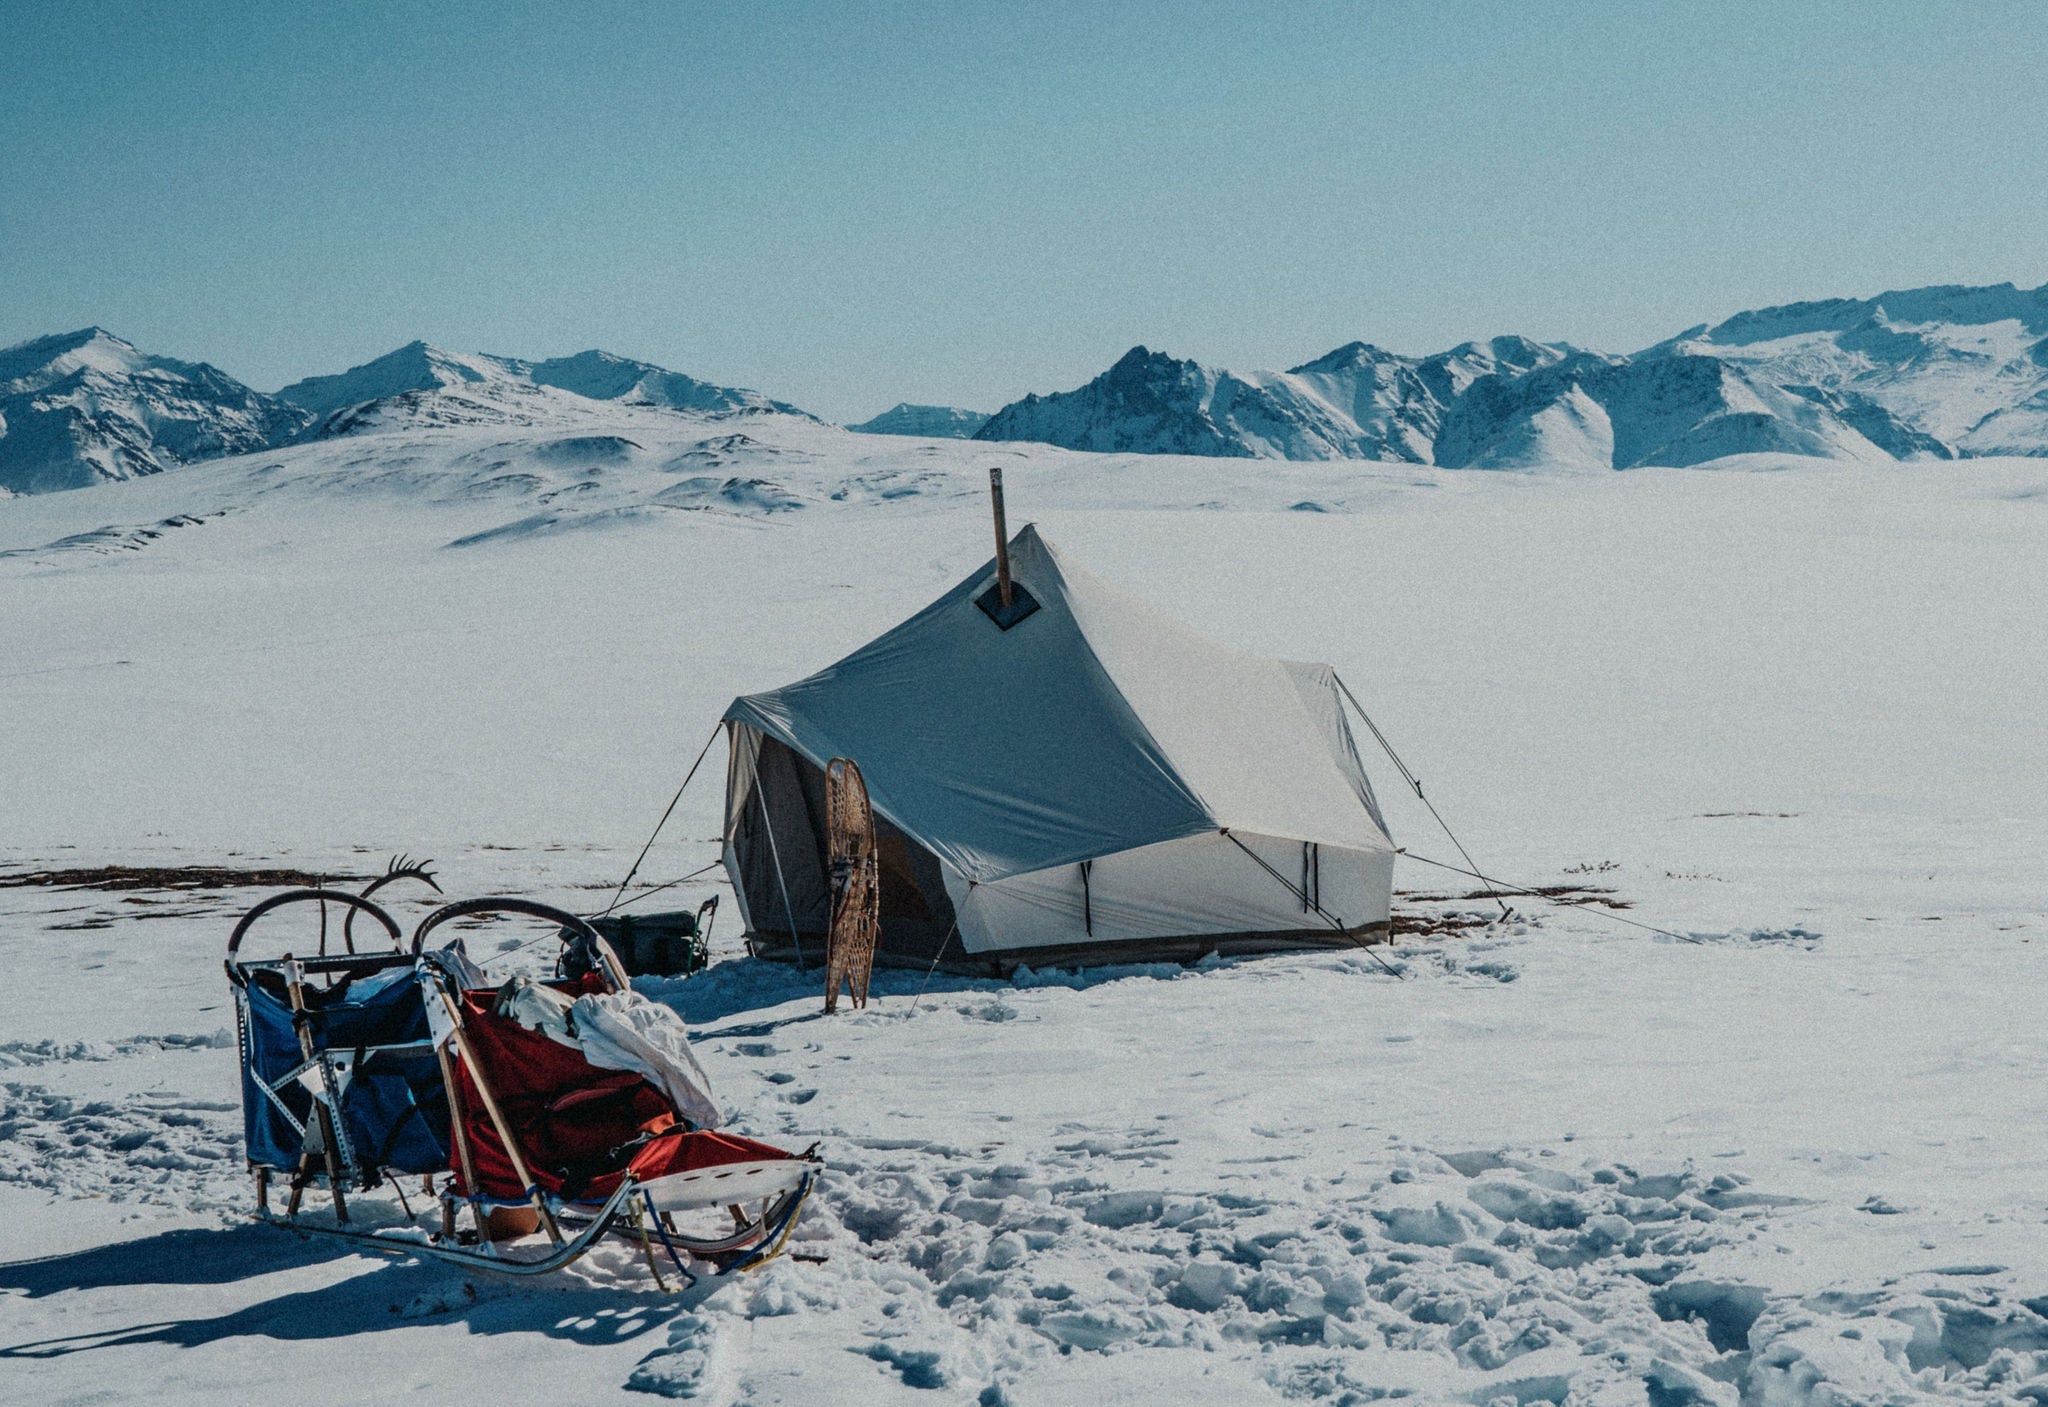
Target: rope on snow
{"points": [[1588, 905], [1415, 782]]}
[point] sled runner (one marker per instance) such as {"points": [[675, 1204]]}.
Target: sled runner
{"points": [[571, 1105]]}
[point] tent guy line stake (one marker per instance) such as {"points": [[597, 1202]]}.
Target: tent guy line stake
{"points": [[1415, 782], [935, 964], [1588, 905], [1318, 909], [664, 817]]}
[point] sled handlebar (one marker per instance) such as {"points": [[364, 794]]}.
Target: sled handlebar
{"points": [[354, 903], [529, 907]]}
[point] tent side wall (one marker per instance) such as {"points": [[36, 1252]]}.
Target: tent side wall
{"points": [[1182, 899], [1177, 901]]}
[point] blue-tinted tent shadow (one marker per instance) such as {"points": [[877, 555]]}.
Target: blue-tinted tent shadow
{"points": [[738, 986]]}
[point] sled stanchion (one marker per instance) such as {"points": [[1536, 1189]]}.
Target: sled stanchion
{"points": [[777, 1238], [661, 1229], [646, 1244], [483, 1089], [295, 988], [476, 1210]]}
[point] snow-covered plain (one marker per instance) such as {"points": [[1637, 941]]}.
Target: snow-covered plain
{"points": [[1788, 710]]}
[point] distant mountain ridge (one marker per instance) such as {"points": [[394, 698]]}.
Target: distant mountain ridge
{"points": [[1965, 365], [932, 422], [86, 407], [1927, 373], [594, 375], [1914, 374]]}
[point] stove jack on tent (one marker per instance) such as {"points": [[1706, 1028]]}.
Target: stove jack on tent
{"points": [[570, 1106]]}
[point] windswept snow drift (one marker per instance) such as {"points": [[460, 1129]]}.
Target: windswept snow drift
{"points": [[1789, 712]]}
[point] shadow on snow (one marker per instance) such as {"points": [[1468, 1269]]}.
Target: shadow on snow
{"points": [[385, 1295]]}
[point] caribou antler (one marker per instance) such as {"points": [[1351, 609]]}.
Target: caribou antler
{"points": [[400, 867], [403, 867]]}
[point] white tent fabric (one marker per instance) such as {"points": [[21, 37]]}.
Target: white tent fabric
{"points": [[1095, 730]]}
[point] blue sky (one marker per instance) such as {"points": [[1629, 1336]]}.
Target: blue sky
{"points": [[850, 205]]}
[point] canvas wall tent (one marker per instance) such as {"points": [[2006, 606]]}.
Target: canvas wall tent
{"points": [[1094, 783]]}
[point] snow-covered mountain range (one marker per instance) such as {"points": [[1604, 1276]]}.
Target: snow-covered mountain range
{"points": [[418, 368], [1967, 366], [86, 407], [931, 422], [1927, 373], [1931, 373]]}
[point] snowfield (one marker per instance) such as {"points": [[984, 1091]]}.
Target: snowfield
{"points": [[1788, 1152]]}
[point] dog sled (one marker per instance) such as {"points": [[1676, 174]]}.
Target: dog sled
{"points": [[555, 1112]]}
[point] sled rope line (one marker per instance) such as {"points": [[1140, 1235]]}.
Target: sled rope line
{"points": [[1590, 906], [551, 937], [693, 874], [1311, 905], [1415, 782], [664, 818]]}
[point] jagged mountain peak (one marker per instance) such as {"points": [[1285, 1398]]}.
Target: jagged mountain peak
{"points": [[417, 366], [1511, 349], [89, 349], [1142, 359], [82, 407], [1152, 402], [57, 343], [1351, 354]]}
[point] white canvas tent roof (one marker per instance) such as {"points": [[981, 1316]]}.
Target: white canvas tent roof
{"points": [[1093, 727]]}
